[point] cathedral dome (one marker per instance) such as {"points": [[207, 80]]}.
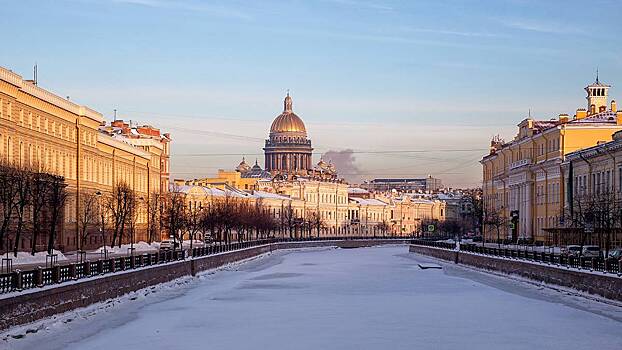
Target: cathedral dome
{"points": [[288, 121]]}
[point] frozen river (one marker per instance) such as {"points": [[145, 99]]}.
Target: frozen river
{"points": [[367, 298]]}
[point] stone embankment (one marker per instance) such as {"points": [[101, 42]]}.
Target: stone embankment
{"points": [[598, 283]]}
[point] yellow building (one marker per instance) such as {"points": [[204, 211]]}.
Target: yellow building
{"points": [[593, 183], [223, 178], [41, 129], [524, 178]]}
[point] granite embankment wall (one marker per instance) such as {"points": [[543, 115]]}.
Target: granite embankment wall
{"points": [[34, 304], [605, 285]]}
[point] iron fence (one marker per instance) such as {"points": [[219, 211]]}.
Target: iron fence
{"points": [[610, 265]]}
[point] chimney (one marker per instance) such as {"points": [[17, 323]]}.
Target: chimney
{"points": [[581, 113], [614, 106], [563, 118]]}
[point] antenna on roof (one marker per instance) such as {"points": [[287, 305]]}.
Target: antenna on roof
{"points": [[115, 113], [597, 75], [529, 113], [34, 73]]}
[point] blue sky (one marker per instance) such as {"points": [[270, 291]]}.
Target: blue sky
{"points": [[364, 74]]}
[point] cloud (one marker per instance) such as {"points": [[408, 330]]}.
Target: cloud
{"points": [[541, 26], [187, 5], [363, 5], [453, 32]]}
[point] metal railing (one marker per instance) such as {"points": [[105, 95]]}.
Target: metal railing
{"points": [[21, 280], [611, 265]]}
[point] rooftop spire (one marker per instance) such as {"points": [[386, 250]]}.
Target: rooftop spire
{"points": [[288, 103], [597, 76]]}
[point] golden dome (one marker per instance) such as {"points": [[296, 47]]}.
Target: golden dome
{"points": [[288, 121]]}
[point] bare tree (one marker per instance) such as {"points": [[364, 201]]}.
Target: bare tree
{"points": [[119, 207], [494, 218], [315, 222], [89, 216], [474, 215], [593, 218], [8, 198], [57, 197], [39, 196], [22, 200], [133, 207], [154, 217], [383, 227], [289, 219], [193, 220], [174, 214]]}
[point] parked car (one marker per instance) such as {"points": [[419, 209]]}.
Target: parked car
{"points": [[616, 253], [572, 250], [591, 251], [168, 244]]}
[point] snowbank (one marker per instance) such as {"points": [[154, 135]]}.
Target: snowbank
{"points": [[139, 247], [25, 258]]}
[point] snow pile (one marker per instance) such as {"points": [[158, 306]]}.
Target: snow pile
{"points": [[139, 247], [25, 258]]}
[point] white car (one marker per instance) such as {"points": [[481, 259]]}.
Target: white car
{"points": [[168, 244], [591, 251], [572, 250]]}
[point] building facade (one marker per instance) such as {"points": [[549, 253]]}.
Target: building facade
{"points": [[593, 185], [523, 180], [428, 184], [41, 130]]}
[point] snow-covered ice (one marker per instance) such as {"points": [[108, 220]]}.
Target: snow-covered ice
{"points": [[367, 298]]}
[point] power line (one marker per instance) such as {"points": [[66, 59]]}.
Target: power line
{"points": [[321, 153]]}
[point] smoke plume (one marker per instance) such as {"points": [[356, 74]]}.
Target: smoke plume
{"points": [[344, 161]]}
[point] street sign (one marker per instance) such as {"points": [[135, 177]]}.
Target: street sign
{"points": [[512, 225], [430, 228]]}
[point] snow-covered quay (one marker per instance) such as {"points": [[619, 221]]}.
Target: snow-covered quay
{"points": [[366, 298]]}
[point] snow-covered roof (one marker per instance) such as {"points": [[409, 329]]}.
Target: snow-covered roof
{"points": [[209, 191], [264, 194], [365, 201]]}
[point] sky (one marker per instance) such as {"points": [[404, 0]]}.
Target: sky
{"points": [[410, 87]]}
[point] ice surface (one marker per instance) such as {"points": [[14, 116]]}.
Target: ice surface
{"points": [[368, 298]]}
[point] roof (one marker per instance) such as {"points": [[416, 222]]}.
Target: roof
{"points": [[357, 190], [398, 180], [264, 194], [209, 191], [364, 201], [288, 121]]}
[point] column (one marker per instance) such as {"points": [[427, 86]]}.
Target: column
{"points": [[528, 210]]}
